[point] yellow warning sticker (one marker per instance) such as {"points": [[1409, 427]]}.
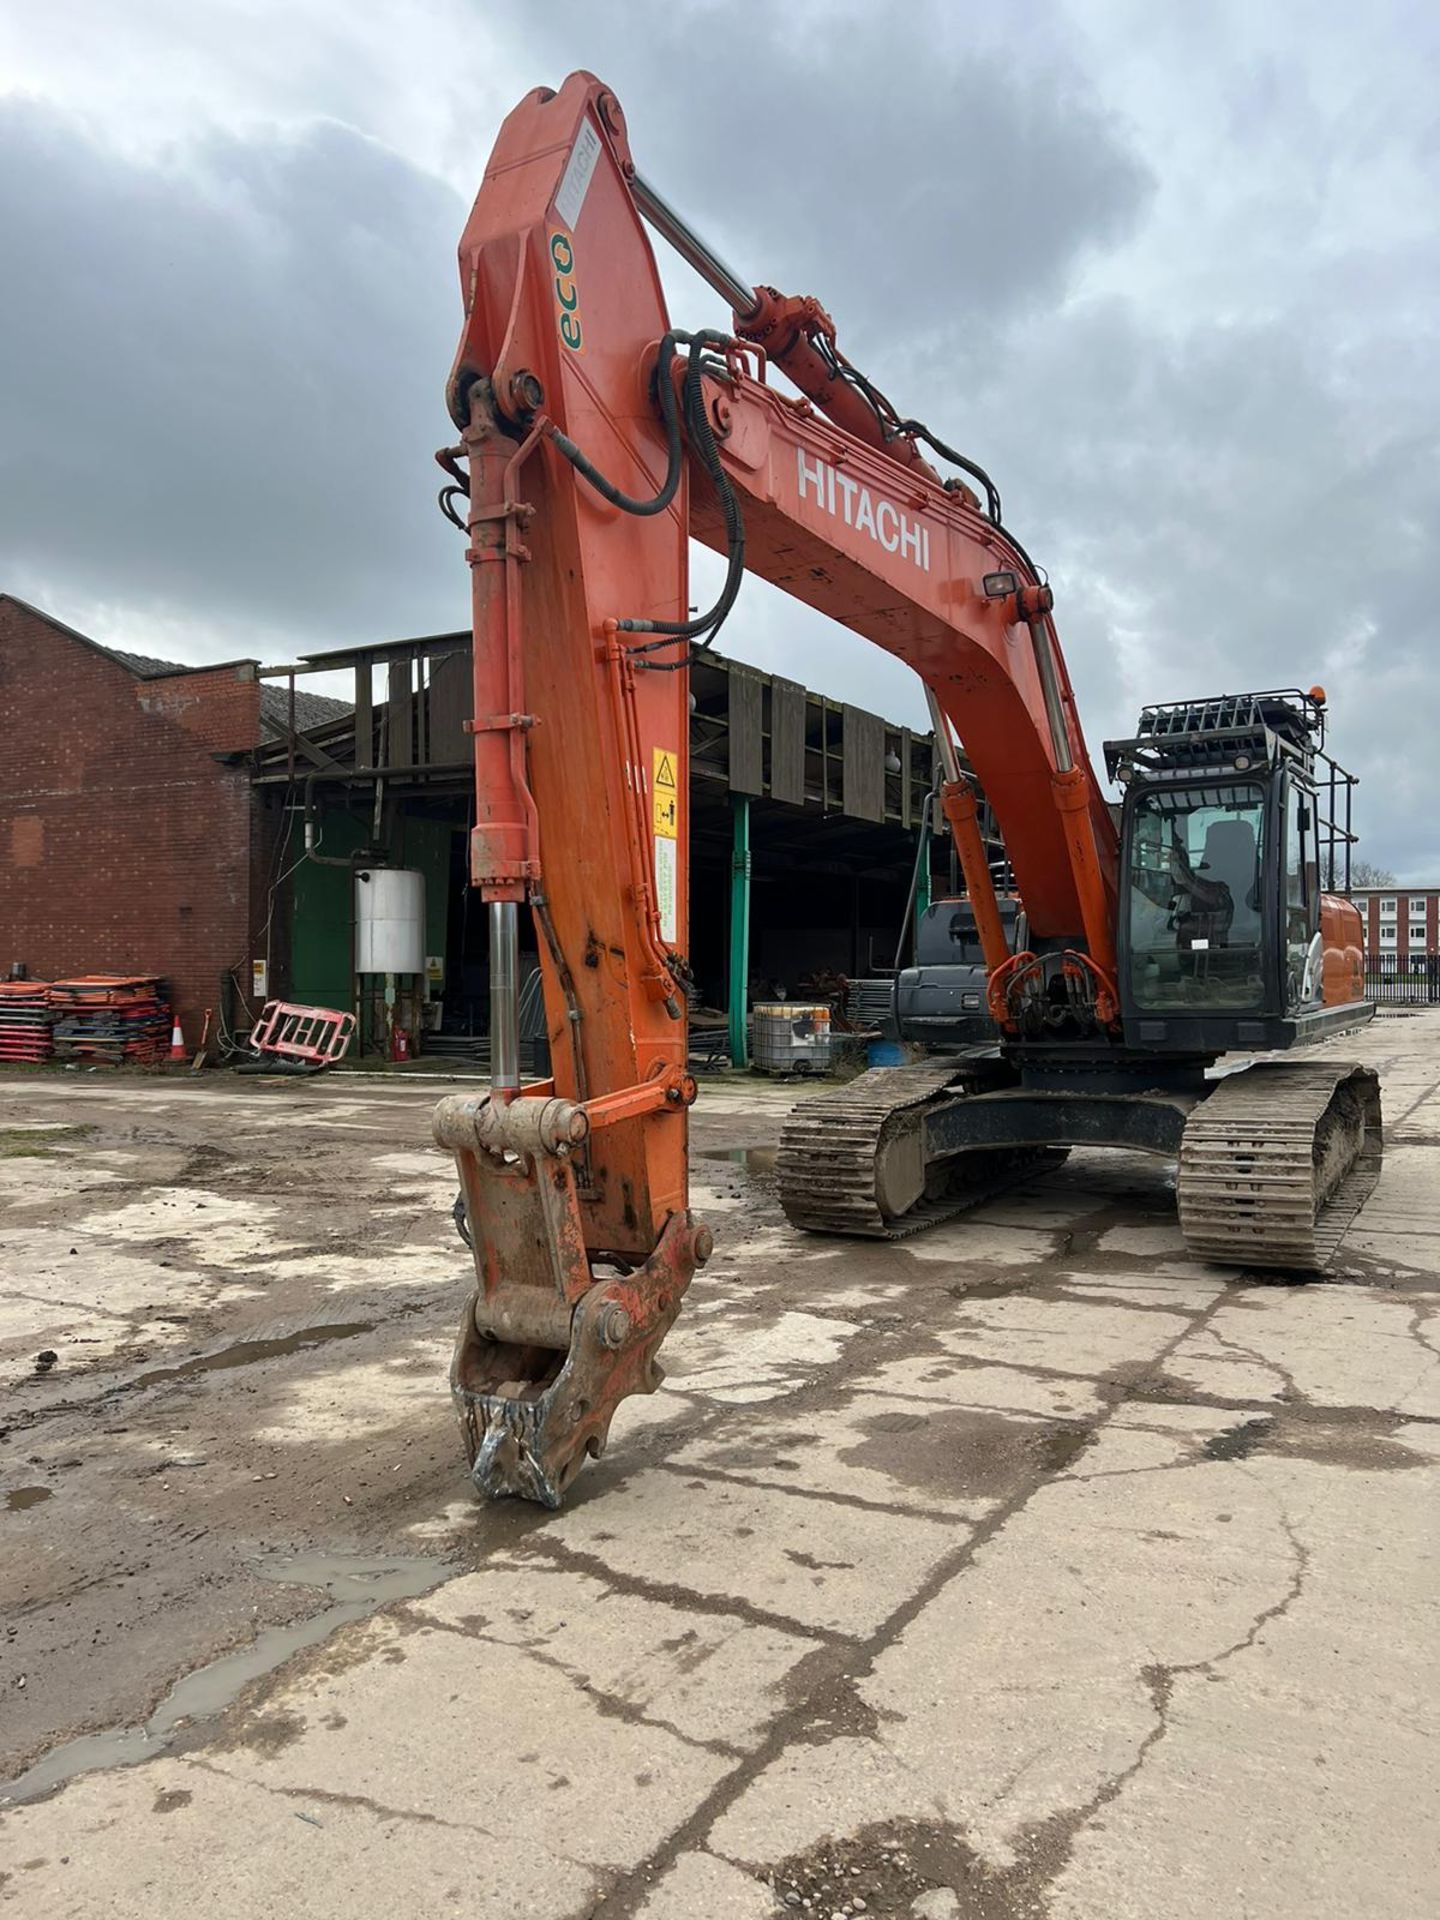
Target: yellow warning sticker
{"points": [[664, 786]]}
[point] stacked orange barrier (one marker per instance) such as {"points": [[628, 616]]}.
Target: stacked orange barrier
{"points": [[111, 1019]]}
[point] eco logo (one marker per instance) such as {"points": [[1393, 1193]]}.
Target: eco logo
{"points": [[567, 293]]}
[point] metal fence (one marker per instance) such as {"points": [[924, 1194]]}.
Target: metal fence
{"points": [[1408, 980]]}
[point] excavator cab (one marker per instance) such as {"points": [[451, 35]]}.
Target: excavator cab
{"points": [[1223, 839]]}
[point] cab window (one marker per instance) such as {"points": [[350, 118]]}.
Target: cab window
{"points": [[1195, 898]]}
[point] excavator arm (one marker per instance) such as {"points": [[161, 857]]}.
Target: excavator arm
{"points": [[593, 441]]}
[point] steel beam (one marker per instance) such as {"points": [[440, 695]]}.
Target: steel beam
{"points": [[739, 930]]}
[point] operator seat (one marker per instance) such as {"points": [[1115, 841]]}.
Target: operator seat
{"points": [[1231, 866]]}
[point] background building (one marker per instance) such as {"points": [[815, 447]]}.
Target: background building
{"points": [[1399, 921], [805, 816], [153, 819], [131, 838]]}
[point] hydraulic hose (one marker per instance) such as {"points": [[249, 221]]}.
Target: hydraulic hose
{"points": [[702, 437], [676, 452]]}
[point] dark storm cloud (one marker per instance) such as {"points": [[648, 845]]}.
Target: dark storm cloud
{"points": [[1171, 275], [931, 190], [1231, 472], [1235, 505], [223, 381], [882, 158]]}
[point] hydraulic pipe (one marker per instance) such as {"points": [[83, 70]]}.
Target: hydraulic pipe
{"points": [[1050, 688], [944, 744], [504, 997], [673, 227], [957, 797], [504, 840], [783, 327]]}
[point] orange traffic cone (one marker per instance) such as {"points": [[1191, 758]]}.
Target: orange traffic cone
{"points": [[177, 1042]]}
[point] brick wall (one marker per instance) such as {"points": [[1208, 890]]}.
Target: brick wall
{"points": [[125, 846]]}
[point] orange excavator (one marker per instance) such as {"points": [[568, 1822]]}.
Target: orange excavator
{"points": [[595, 438]]}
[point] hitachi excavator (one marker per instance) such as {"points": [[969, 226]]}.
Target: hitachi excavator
{"points": [[595, 438]]}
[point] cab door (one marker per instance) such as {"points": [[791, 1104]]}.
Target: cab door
{"points": [[1302, 968]]}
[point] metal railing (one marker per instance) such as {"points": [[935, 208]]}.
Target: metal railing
{"points": [[1403, 979]]}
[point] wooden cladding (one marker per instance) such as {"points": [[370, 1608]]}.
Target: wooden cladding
{"points": [[747, 731], [452, 695], [862, 788], [787, 742], [751, 732]]}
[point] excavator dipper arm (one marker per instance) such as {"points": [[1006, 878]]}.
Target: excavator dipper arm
{"points": [[593, 440], [575, 1191]]}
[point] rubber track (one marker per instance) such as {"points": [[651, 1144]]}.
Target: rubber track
{"points": [[1248, 1176], [825, 1168]]}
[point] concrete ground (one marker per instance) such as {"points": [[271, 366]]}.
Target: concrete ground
{"points": [[1025, 1569]]}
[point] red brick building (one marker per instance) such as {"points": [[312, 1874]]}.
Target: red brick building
{"points": [[131, 840], [1399, 921]]}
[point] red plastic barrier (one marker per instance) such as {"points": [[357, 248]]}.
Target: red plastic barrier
{"points": [[110, 1018], [317, 1034], [25, 1026]]}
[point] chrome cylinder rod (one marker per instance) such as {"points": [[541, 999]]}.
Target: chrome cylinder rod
{"points": [[944, 742], [687, 243], [504, 997], [1050, 688]]}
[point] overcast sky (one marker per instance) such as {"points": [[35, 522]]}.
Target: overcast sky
{"points": [[1170, 273]]}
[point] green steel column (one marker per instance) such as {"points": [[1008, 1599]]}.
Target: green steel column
{"points": [[739, 929]]}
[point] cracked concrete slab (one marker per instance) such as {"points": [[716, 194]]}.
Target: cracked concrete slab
{"points": [[958, 1380], [714, 1679], [974, 1240], [1069, 1336], [1092, 1582], [698, 1883], [1295, 1757], [812, 1561], [1333, 1346], [748, 1365], [51, 1294], [1027, 1570], [187, 1833], [507, 1741]]}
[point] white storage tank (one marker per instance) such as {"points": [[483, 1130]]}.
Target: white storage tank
{"points": [[389, 920]]}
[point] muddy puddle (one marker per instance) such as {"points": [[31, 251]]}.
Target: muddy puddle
{"points": [[357, 1586], [246, 1353], [752, 1159], [19, 1498]]}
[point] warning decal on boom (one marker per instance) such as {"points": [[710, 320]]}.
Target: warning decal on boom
{"points": [[666, 795], [665, 802]]}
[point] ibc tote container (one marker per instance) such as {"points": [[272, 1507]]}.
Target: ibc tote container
{"points": [[791, 1038]]}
